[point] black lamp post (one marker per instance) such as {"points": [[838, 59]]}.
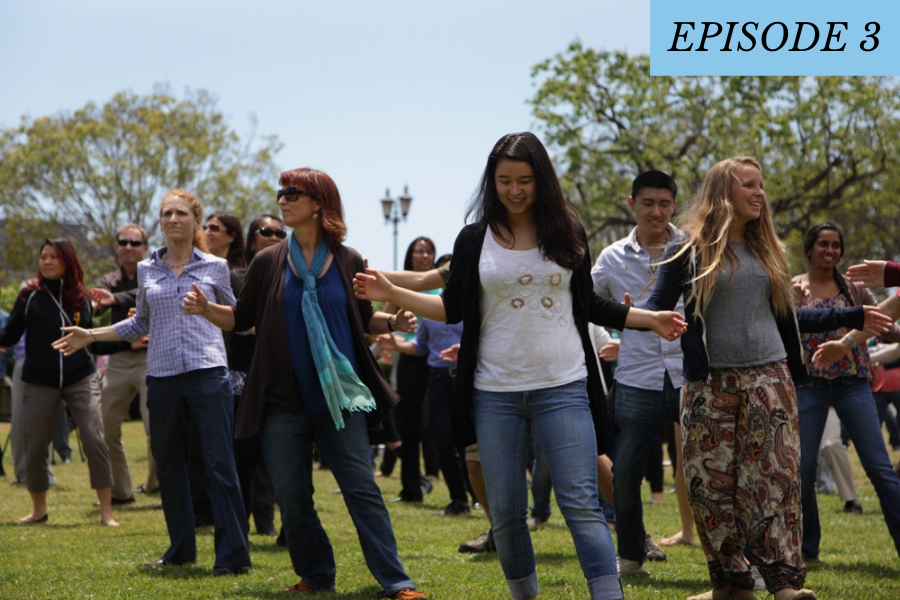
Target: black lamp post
{"points": [[395, 210]]}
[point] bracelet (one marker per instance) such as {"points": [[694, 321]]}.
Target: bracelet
{"points": [[390, 323], [91, 331], [853, 343]]}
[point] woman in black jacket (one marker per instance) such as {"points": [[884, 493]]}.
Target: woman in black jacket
{"points": [[54, 298], [520, 283]]}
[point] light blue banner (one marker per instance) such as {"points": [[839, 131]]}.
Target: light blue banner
{"points": [[788, 37]]}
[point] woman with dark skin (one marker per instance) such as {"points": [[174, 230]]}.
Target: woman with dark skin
{"points": [[263, 232]]}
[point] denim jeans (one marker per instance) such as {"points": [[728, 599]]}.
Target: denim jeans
{"points": [[853, 402], [640, 413], [561, 418], [541, 485], [286, 442], [205, 397]]}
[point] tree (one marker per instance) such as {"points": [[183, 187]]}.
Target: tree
{"points": [[826, 144], [102, 166]]}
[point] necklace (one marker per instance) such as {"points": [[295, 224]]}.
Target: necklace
{"points": [[653, 265], [178, 266]]}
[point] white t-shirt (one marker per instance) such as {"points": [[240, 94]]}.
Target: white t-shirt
{"points": [[528, 337]]}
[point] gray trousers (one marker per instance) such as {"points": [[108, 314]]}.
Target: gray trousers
{"points": [[126, 375], [41, 407]]}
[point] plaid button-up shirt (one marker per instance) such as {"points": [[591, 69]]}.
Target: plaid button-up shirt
{"points": [[178, 343]]}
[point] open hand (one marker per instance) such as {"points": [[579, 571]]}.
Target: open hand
{"points": [[829, 353], [870, 273], [405, 321], [372, 285], [76, 339], [876, 323], [610, 352], [386, 341], [668, 324], [450, 354]]}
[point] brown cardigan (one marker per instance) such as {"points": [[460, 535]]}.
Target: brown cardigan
{"points": [[261, 304]]}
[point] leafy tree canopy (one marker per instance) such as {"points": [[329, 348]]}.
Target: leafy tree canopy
{"points": [[828, 145], [102, 166]]}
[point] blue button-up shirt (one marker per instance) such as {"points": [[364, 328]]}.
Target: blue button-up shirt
{"points": [[644, 357], [178, 343], [434, 336]]}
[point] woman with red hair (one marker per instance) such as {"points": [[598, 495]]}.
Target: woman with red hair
{"points": [[56, 297]]}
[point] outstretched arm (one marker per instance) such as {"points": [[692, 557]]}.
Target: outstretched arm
{"points": [[373, 285]]}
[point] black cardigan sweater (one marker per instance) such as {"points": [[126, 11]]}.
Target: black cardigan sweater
{"points": [[462, 302], [261, 304]]}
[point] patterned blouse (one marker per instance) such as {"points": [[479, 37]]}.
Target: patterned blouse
{"points": [[855, 364]]}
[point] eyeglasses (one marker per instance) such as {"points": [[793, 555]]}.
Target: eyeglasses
{"points": [[266, 232], [292, 194], [423, 252], [132, 243], [213, 227]]}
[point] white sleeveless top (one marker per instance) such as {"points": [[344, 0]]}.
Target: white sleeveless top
{"points": [[528, 336]]}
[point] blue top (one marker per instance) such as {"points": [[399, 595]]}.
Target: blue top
{"points": [[333, 301], [181, 343], [434, 336]]}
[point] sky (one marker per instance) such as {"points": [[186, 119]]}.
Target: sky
{"points": [[376, 94]]}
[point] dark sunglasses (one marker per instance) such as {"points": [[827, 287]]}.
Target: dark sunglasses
{"points": [[132, 243], [266, 232], [292, 194], [214, 227]]}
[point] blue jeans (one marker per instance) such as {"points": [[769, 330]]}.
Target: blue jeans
{"points": [[286, 442], [853, 402], [640, 413], [561, 418], [541, 485], [205, 397]]}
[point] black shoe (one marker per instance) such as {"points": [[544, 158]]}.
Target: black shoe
{"points": [[483, 543], [225, 571], [454, 508], [118, 501], [281, 541], [269, 531], [426, 485], [406, 498], [165, 563], [853, 507]]}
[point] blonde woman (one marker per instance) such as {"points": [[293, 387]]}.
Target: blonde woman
{"points": [[742, 355]]}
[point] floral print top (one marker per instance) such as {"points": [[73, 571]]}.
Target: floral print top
{"points": [[855, 364]]}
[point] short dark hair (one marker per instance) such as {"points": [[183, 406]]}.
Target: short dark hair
{"points": [[558, 230], [408, 260], [252, 229], [233, 226], [653, 179]]}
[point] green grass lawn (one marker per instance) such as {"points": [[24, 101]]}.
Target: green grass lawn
{"points": [[74, 557]]}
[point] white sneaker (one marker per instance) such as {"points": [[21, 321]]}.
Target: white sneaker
{"points": [[630, 567]]}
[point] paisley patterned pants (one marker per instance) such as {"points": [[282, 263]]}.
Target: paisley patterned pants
{"points": [[742, 468]]}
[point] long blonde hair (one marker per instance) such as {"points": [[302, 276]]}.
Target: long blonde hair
{"points": [[706, 223]]}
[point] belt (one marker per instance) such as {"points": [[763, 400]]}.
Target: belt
{"points": [[443, 372]]}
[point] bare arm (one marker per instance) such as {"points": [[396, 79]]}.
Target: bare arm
{"points": [[390, 342], [373, 285], [79, 338], [417, 281]]}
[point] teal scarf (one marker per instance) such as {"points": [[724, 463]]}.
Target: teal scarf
{"points": [[343, 389]]}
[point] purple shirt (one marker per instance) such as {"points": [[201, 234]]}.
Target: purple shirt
{"points": [[434, 336], [178, 343]]}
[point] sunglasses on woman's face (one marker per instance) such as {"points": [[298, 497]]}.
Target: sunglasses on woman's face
{"points": [[132, 243], [292, 194], [266, 232], [214, 227]]}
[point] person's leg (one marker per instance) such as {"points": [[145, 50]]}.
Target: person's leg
{"points": [[812, 406], [640, 414], [287, 449], [686, 534], [440, 391], [412, 382], [834, 453], [562, 422], [139, 376], [209, 398], [347, 452], [856, 409], [83, 399], [61, 431], [504, 434], [17, 423], [168, 427], [118, 391], [655, 471], [40, 406]]}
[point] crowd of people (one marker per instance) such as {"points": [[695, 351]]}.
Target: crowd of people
{"points": [[251, 357]]}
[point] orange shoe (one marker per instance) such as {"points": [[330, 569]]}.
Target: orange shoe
{"points": [[409, 594], [301, 588]]}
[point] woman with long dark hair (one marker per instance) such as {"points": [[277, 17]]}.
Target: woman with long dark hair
{"points": [[742, 355], [315, 381], [843, 384], [520, 282], [56, 297], [187, 380], [264, 231], [225, 238]]}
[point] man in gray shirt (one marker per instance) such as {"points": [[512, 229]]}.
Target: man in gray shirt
{"points": [[648, 378]]}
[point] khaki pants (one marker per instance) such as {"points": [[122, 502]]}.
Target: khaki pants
{"points": [[126, 374]]}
